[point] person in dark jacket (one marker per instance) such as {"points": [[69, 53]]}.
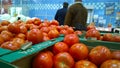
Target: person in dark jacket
{"points": [[77, 16], [60, 14]]}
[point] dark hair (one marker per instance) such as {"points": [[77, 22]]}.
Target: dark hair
{"points": [[65, 4]]}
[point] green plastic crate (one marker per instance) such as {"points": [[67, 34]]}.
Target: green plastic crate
{"points": [[6, 65], [93, 43], [4, 51], [22, 58]]}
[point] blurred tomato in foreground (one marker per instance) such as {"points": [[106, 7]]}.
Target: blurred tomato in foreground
{"points": [[43, 60], [79, 51], [63, 60], [99, 54], [84, 64], [111, 64], [116, 54]]}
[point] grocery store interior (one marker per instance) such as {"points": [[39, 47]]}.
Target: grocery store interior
{"points": [[31, 37]]}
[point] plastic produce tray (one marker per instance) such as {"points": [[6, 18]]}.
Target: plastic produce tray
{"points": [[20, 57], [93, 43]]}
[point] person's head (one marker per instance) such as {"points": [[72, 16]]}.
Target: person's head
{"points": [[65, 4], [78, 0]]}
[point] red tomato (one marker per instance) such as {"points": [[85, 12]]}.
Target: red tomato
{"points": [[5, 23], [116, 38], [14, 28], [99, 54], [23, 29], [90, 27], [30, 21], [21, 35], [10, 45], [116, 55], [6, 35], [18, 41], [79, 51], [84, 64], [71, 39], [111, 64], [77, 32], [37, 21], [63, 32], [107, 37], [70, 30], [1, 40], [2, 28], [35, 36], [43, 60], [45, 29], [60, 47], [66, 26], [43, 25], [53, 33], [63, 60], [59, 28], [93, 33], [54, 22], [45, 38], [34, 26]]}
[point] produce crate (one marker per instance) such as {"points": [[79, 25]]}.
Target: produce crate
{"points": [[4, 51], [22, 58], [93, 43]]}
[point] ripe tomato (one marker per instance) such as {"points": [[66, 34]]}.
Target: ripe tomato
{"points": [[60, 47], [84, 64], [63, 60], [10, 45], [21, 35], [111, 64], [2, 28], [116, 55], [107, 37], [14, 28], [79, 51], [53, 33], [93, 33], [90, 27], [45, 29], [70, 30], [18, 41], [77, 32], [116, 38], [1, 40], [5, 23], [34, 26], [6, 35], [54, 22], [37, 21], [63, 32], [45, 38], [99, 54], [71, 39], [23, 29], [35, 36], [43, 25], [43, 60], [30, 21]]}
